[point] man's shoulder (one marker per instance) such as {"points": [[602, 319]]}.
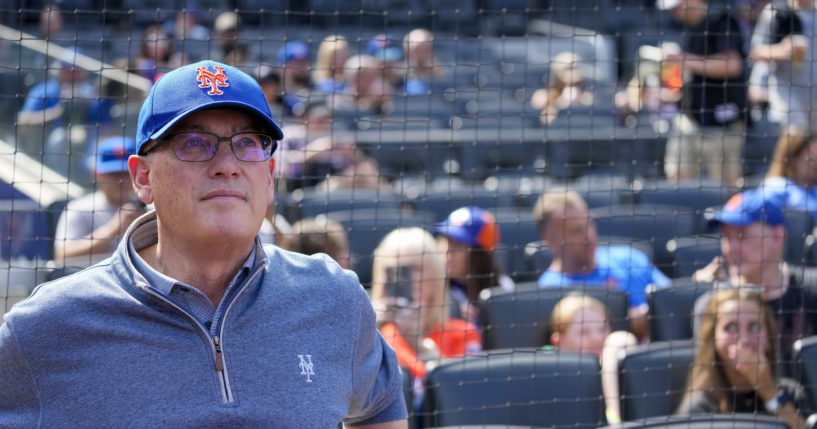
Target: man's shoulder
{"points": [[621, 256], [308, 270], [66, 296]]}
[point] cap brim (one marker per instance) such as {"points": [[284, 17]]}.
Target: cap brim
{"points": [[118, 166], [271, 127]]}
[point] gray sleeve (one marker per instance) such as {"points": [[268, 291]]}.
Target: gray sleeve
{"points": [[18, 390], [378, 394]]}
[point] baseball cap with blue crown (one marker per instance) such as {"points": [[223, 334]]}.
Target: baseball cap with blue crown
{"points": [[202, 85]]}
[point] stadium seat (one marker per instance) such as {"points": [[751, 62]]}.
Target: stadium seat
{"points": [[520, 318], [444, 196], [805, 356], [366, 227], [656, 222], [522, 387], [670, 309], [692, 253], [707, 421], [516, 229], [652, 378], [799, 224], [312, 202], [696, 195]]}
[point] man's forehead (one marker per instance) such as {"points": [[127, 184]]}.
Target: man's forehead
{"points": [[203, 120]]}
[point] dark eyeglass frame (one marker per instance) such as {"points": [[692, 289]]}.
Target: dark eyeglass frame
{"points": [[172, 138]]}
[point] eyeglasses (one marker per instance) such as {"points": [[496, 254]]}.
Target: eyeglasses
{"points": [[200, 147]]}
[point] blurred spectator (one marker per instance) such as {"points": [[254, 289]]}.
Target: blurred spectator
{"points": [[653, 91], [792, 177], [187, 26], [581, 324], [409, 294], [292, 154], [735, 364], [155, 54], [334, 163], [228, 45], [564, 223], [50, 26], [422, 66], [468, 238], [92, 225], [328, 72], [368, 89], [270, 82], [753, 237], [293, 58], [567, 88], [783, 48], [387, 50], [710, 128], [55, 115], [320, 235]]}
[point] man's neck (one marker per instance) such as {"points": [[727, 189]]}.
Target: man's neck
{"points": [[770, 278], [209, 268]]}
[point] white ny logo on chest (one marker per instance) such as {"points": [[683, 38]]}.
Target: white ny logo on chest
{"points": [[306, 367]]}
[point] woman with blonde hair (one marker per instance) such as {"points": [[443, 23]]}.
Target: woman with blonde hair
{"points": [[792, 175], [409, 293], [328, 72], [735, 364]]}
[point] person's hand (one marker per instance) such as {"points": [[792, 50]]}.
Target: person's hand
{"points": [[395, 310], [711, 272], [784, 50], [752, 365]]}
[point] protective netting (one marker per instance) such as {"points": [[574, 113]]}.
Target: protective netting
{"points": [[617, 150]]}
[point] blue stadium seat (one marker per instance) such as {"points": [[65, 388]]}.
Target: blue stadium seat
{"points": [[692, 253], [312, 202], [652, 378], [520, 318], [707, 421], [521, 387], [655, 222], [670, 309]]}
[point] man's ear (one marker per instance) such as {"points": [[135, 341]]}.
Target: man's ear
{"points": [[139, 169]]}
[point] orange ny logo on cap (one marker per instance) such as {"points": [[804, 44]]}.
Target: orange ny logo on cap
{"points": [[213, 80]]}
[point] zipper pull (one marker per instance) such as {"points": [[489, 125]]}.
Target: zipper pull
{"points": [[219, 357]]}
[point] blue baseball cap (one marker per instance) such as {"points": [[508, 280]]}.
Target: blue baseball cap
{"points": [[113, 153], [205, 84], [747, 208], [472, 226], [292, 50], [384, 48]]}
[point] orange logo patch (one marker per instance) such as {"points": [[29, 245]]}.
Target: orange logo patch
{"points": [[213, 80]]}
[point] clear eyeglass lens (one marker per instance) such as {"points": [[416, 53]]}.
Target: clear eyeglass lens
{"points": [[203, 146]]}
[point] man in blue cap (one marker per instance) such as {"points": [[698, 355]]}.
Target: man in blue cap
{"points": [[192, 322], [753, 237], [91, 226]]}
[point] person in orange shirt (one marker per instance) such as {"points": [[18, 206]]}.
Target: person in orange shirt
{"points": [[409, 293]]}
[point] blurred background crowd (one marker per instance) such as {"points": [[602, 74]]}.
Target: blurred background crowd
{"points": [[617, 191]]}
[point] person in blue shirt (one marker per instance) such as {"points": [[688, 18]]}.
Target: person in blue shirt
{"points": [[564, 223]]}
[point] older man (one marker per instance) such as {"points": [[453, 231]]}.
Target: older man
{"points": [[192, 323]]}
